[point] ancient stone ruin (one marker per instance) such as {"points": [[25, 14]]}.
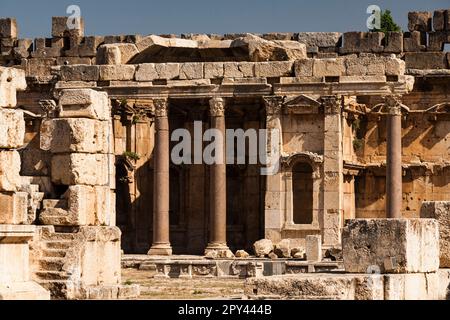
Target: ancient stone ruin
{"points": [[358, 208]]}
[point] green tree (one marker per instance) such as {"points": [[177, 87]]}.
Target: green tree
{"points": [[387, 23]]}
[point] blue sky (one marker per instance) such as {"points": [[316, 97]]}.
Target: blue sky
{"points": [[207, 16]]}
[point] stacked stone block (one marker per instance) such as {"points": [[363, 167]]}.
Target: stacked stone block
{"points": [[15, 234], [82, 159]]}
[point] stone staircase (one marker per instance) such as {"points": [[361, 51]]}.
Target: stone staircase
{"points": [[37, 188], [50, 266]]}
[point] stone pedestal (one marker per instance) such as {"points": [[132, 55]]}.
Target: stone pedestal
{"points": [[15, 283], [391, 246]]}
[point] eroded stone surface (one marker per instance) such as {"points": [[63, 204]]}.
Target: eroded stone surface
{"points": [[391, 245]]}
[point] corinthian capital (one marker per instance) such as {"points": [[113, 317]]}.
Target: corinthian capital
{"points": [[161, 107], [273, 104], [394, 105], [332, 104], [217, 107]]}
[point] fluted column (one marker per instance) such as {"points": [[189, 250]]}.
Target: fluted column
{"points": [[161, 242], [394, 159], [218, 191]]}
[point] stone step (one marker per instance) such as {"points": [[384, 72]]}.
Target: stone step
{"points": [[54, 253], [51, 264], [58, 244], [58, 288], [51, 275], [55, 203], [63, 236]]}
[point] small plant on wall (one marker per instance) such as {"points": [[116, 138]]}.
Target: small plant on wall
{"points": [[358, 140], [131, 155]]}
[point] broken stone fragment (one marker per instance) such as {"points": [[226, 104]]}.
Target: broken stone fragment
{"points": [[298, 253], [9, 170], [283, 249], [116, 54], [263, 247], [11, 81], [242, 254], [12, 128], [260, 50], [14, 208], [84, 103], [273, 256]]}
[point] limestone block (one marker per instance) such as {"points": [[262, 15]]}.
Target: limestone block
{"points": [[157, 71], [329, 67], [444, 284], [391, 245], [242, 254], [356, 42], [316, 40], [314, 248], [84, 103], [80, 168], [191, 70], [440, 210], [414, 41], [11, 81], [314, 286], [9, 170], [100, 260], [14, 243], [304, 67], [80, 73], [394, 42], [419, 21], [61, 27], [74, 135], [436, 40], [81, 206], [12, 128], [439, 20], [116, 72], [394, 67], [14, 208], [8, 28], [23, 291], [274, 69], [117, 53], [418, 286], [425, 60], [239, 69], [214, 70], [263, 247], [364, 66]]}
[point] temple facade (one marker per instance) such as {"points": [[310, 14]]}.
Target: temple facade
{"points": [[364, 133]]}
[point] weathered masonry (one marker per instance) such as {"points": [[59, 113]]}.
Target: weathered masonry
{"points": [[85, 146]]}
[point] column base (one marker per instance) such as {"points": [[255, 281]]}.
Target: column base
{"points": [[218, 250], [160, 249]]}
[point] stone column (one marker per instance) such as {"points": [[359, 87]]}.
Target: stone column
{"points": [[275, 195], [394, 159], [218, 192], [332, 172], [161, 242]]}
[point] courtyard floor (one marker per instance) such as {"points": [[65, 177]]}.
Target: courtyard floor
{"points": [[182, 289]]}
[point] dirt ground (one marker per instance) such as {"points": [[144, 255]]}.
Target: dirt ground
{"points": [[173, 289]]}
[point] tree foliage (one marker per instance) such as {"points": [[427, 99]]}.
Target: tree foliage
{"points": [[387, 23]]}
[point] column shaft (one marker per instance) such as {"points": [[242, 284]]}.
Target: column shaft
{"points": [[218, 190], [394, 163], [161, 225]]}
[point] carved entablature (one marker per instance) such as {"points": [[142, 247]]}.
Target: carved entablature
{"points": [[392, 105], [439, 111], [301, 105], [274, 104], [313, 159]]}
